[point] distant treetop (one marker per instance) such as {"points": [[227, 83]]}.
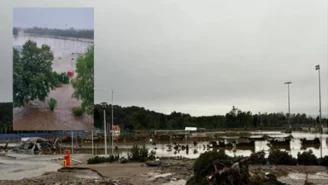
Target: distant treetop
{"points": [[74, 33]]}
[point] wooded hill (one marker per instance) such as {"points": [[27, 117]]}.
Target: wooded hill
{"points": [[140, 118], [74, 33]]}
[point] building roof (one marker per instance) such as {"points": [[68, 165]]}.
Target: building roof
{"points": [[116, 127], [191, 128]]}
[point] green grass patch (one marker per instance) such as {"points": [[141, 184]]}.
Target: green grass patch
{"points": [[52, 103]]}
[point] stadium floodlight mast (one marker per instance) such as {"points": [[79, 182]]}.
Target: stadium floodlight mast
{"points": [[104, 105], [112, 121], [317, 67], [288, 103]]}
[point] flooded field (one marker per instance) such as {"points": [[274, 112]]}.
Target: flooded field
{"points": [[136, 171], [178, 148], [36, 115]]}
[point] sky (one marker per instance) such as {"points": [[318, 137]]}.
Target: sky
{"points": [[79, 18], [203, 57]]}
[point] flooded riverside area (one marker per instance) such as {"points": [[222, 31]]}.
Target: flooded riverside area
{"points": [[198, 143], [176, 156], [36, 115]]}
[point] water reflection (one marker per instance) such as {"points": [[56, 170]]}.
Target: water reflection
{"points": [[167, 149], [59, 46]]}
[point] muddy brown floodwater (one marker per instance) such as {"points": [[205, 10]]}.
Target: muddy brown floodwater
{"points": [[37, 115]]}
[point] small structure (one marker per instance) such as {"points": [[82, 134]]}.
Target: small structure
{"points": [[116, 132], [191, 129]]}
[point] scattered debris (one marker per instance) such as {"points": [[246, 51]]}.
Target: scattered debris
{"points": [[154, 163], [35, 146], [4, 148], [123, 160]]}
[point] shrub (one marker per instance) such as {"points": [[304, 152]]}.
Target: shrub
{"points": [[203, 166], [55, 74], [324, 161], [143, 153], [260, 159], [111, 159], [152, 155], [62, 77], [281, 157], [117, 158], [77, 111], [307, 158], [139, 154], [98, 159], [52, 103], [66, 79]]}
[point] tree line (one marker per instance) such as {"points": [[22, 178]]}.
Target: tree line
{"points": [[134, 117], [139, 118], [74, 33]]}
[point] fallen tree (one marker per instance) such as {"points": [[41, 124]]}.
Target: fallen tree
{"points": [[217, 168]]}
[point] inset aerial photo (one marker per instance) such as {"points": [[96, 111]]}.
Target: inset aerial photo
{"points": [[53, 68]]}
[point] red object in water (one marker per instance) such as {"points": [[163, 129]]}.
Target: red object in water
{"points": [[70, 73]]}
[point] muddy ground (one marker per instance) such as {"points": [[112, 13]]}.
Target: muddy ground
{"points": [[172, 172]]}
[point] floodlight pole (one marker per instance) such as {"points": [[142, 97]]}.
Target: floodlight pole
{"points": [[288, 103], [105, 129], [317, 67], [112, 121]]}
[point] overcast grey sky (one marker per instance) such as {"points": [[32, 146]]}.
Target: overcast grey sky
{"points": [[203, 57], [79, 18]]}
